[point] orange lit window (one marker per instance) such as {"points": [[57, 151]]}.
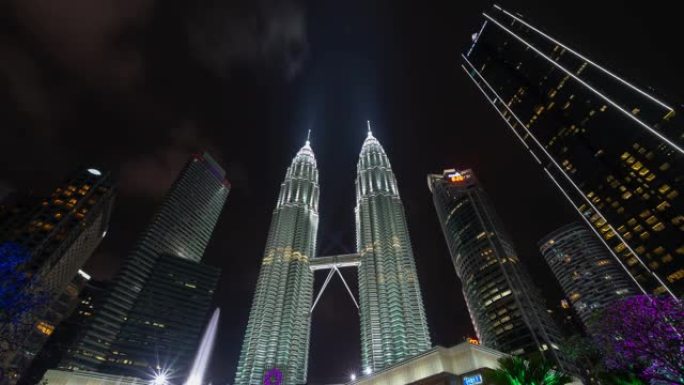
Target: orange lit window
{"points": [[45, 328], [637, 166], [676, 276], [666, 258], [662, 206], [664, 188], [603, 262]]}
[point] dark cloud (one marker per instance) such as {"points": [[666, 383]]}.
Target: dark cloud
{"points": [[89, 38], [264, 33], [152, 173]]}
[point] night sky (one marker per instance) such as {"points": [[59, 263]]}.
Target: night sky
{"points": [[136, 86]]}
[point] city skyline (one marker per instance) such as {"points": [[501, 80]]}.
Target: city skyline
{"points": [[395, 64]]}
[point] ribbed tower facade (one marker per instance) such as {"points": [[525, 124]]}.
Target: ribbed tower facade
{"points": [[393, 322], [142, 323], [507, 311], [590, 278], [277, 334]]}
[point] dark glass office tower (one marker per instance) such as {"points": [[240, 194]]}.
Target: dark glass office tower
{"points": [[589, 276], [60, 233], [147, 311], [506, 309], [393, 322], [613, 149]]}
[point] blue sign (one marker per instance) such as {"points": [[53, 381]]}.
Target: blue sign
{"points": [[472, 380]]}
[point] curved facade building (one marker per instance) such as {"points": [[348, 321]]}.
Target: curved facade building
{"points": [[393, 322], [277, 334], [587, 272], [507, 312]]}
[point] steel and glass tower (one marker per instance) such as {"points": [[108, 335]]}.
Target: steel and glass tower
{"points": [[393, 322], [152, 314], [615, 151], [589, 276], [506, 309], [277, 334]]}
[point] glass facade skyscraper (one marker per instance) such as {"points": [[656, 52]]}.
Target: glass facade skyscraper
{"points": [[277, 334], [589, 276], [505, 307], [146, 312], [614, 150], [393, 322]]}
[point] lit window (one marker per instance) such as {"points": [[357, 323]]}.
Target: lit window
{"points": [[637, 166], [672, 195], [645, 235], [664, 188], [666, 258], [651, 220], [664, 166], [603, 262], [663, 206], [626, 195], [45, 327], [676, 276], [650, 177], [625, 156]]}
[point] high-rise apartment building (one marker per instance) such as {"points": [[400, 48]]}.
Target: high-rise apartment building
{"points": [[505, 307], [393, 322], [589, 276], [278, 329], [614, 150], [147, 310], [59, 235]]}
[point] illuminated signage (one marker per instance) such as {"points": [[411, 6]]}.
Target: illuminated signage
{"points": [[473, 341], [456, 177], [472, 380]]}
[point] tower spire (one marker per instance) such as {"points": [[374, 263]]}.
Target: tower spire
{"points": [[307, 144], [370, 133]]}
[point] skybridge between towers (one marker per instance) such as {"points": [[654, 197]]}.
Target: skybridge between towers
{"points": [[334, 263]]}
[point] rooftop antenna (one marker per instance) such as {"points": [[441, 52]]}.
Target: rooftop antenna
{"points": [[369, 128], [308, 137]]}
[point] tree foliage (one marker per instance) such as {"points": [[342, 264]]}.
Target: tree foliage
{"points": [[20, 297], [517, 371], [643, 335]]}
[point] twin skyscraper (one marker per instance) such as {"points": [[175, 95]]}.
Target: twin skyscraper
{"points": [[393, 322]]}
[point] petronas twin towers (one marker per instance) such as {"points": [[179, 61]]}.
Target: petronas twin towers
{"points": [[393, 322]]}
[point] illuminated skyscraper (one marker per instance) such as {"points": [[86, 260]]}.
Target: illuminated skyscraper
{"points": [[393, 322], [614, 151], [59, 233], [277, 334], [589, 276], [154, 312], [506, 309]]}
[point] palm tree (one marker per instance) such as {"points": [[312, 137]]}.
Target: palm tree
{"points": [[517, 371]]}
